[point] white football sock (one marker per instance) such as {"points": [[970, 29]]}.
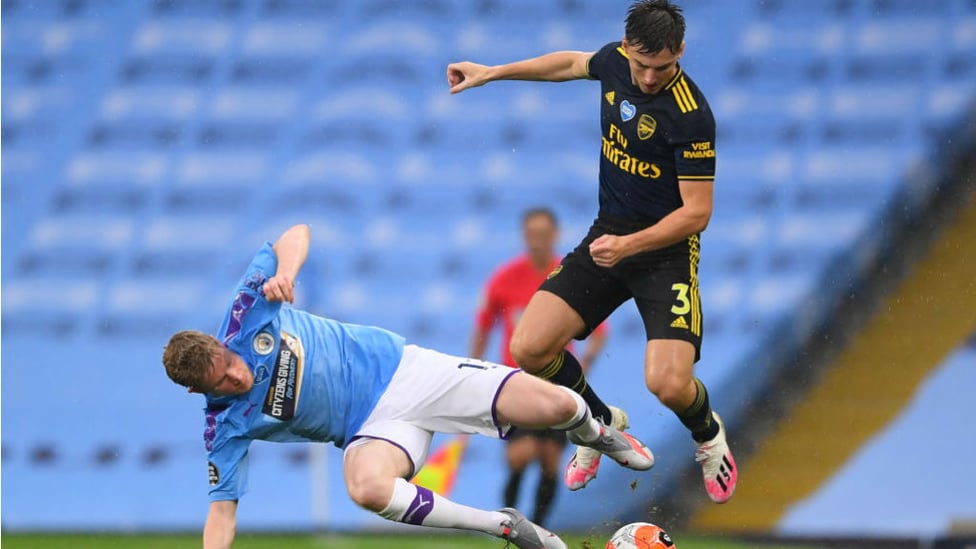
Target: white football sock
{"points": [[414, 504], [581, 425]]}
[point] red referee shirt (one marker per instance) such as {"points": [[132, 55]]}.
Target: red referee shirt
{"points": [[507, 293]]}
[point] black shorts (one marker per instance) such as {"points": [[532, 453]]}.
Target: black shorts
{"points": [[541, 434], [663, 283]]}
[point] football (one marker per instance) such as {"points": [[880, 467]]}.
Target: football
{"points": [[640, 535]]}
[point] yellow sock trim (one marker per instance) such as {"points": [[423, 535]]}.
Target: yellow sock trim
{"points": [[552, 368]]}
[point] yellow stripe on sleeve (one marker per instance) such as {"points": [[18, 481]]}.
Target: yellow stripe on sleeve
{"points": [[688, 96], [677, 97]]}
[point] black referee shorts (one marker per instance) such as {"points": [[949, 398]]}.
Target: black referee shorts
{"points": [[554, 435], [663, 283]]}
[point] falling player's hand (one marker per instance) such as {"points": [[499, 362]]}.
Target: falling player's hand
{"points": [[464, 75], [279, 288], [608, 250]]}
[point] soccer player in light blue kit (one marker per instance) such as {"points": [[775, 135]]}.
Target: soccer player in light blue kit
{"points": [[281, 374]]}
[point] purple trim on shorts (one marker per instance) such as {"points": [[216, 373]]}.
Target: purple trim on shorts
{"points": [[494, 405], [413, 466], [420, 507]]}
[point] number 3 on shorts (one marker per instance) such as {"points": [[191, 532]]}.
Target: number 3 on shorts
{"points": [[683, 305]]}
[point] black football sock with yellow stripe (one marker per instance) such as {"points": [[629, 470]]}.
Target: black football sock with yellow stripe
{"points": [[698, 417], [565, 370]]}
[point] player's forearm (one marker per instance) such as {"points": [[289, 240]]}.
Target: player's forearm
{"points": [[217, 538], [553, 67], [292, 250], [673, 228], [218, 532]]}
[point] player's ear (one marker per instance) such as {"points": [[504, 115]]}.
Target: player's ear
{"points": [[681, 50]]}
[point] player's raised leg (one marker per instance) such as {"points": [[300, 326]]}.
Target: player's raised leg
{"points": [[538, 345], [375, 472], [539, 342], [531, 402], [669, 374]]}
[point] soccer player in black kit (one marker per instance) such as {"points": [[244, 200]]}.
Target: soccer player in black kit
{"points": [[657, 168]]}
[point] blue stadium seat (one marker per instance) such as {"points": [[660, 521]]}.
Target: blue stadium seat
{"points": [[785, 10], [943, 105], [792, 37], [196, 9], [184, 36], [299, 10], [839, 176]]}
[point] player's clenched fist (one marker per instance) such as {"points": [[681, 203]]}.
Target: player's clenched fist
{"points": [[608, 250], [464, 75], [279, 288]]}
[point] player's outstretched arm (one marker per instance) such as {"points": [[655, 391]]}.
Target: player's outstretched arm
{"points": [[553, 67], [218, 533], [291, 248]]}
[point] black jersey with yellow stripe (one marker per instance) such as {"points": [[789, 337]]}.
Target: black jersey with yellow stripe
{"points": [[649, 141]]}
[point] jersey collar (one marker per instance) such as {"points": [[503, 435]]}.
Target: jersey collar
{"points": [[674, 80]]}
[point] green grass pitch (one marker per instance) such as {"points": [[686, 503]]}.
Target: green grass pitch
{"points": [[351, 541]]}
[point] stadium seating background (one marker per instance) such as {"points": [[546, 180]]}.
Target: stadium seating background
{"points": [[150, 147], [917, 440]]}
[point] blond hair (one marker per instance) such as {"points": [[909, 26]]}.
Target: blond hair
{"points": [[189, 356]]}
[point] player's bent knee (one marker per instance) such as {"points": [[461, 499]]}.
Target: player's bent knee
{"points": [[670, 391], [530, 354], [565, 405], [371, 492], [567, 408]]}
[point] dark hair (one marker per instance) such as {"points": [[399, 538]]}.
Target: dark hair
{"points": [[545, 212], [653, 25]]}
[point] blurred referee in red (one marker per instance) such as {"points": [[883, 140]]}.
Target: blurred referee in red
{"points": [[506, 294]]}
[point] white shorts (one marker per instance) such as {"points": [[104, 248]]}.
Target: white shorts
{"points": [[433, 392]]}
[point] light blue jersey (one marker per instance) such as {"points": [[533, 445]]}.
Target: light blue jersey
{"points": [[315, 379]]}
